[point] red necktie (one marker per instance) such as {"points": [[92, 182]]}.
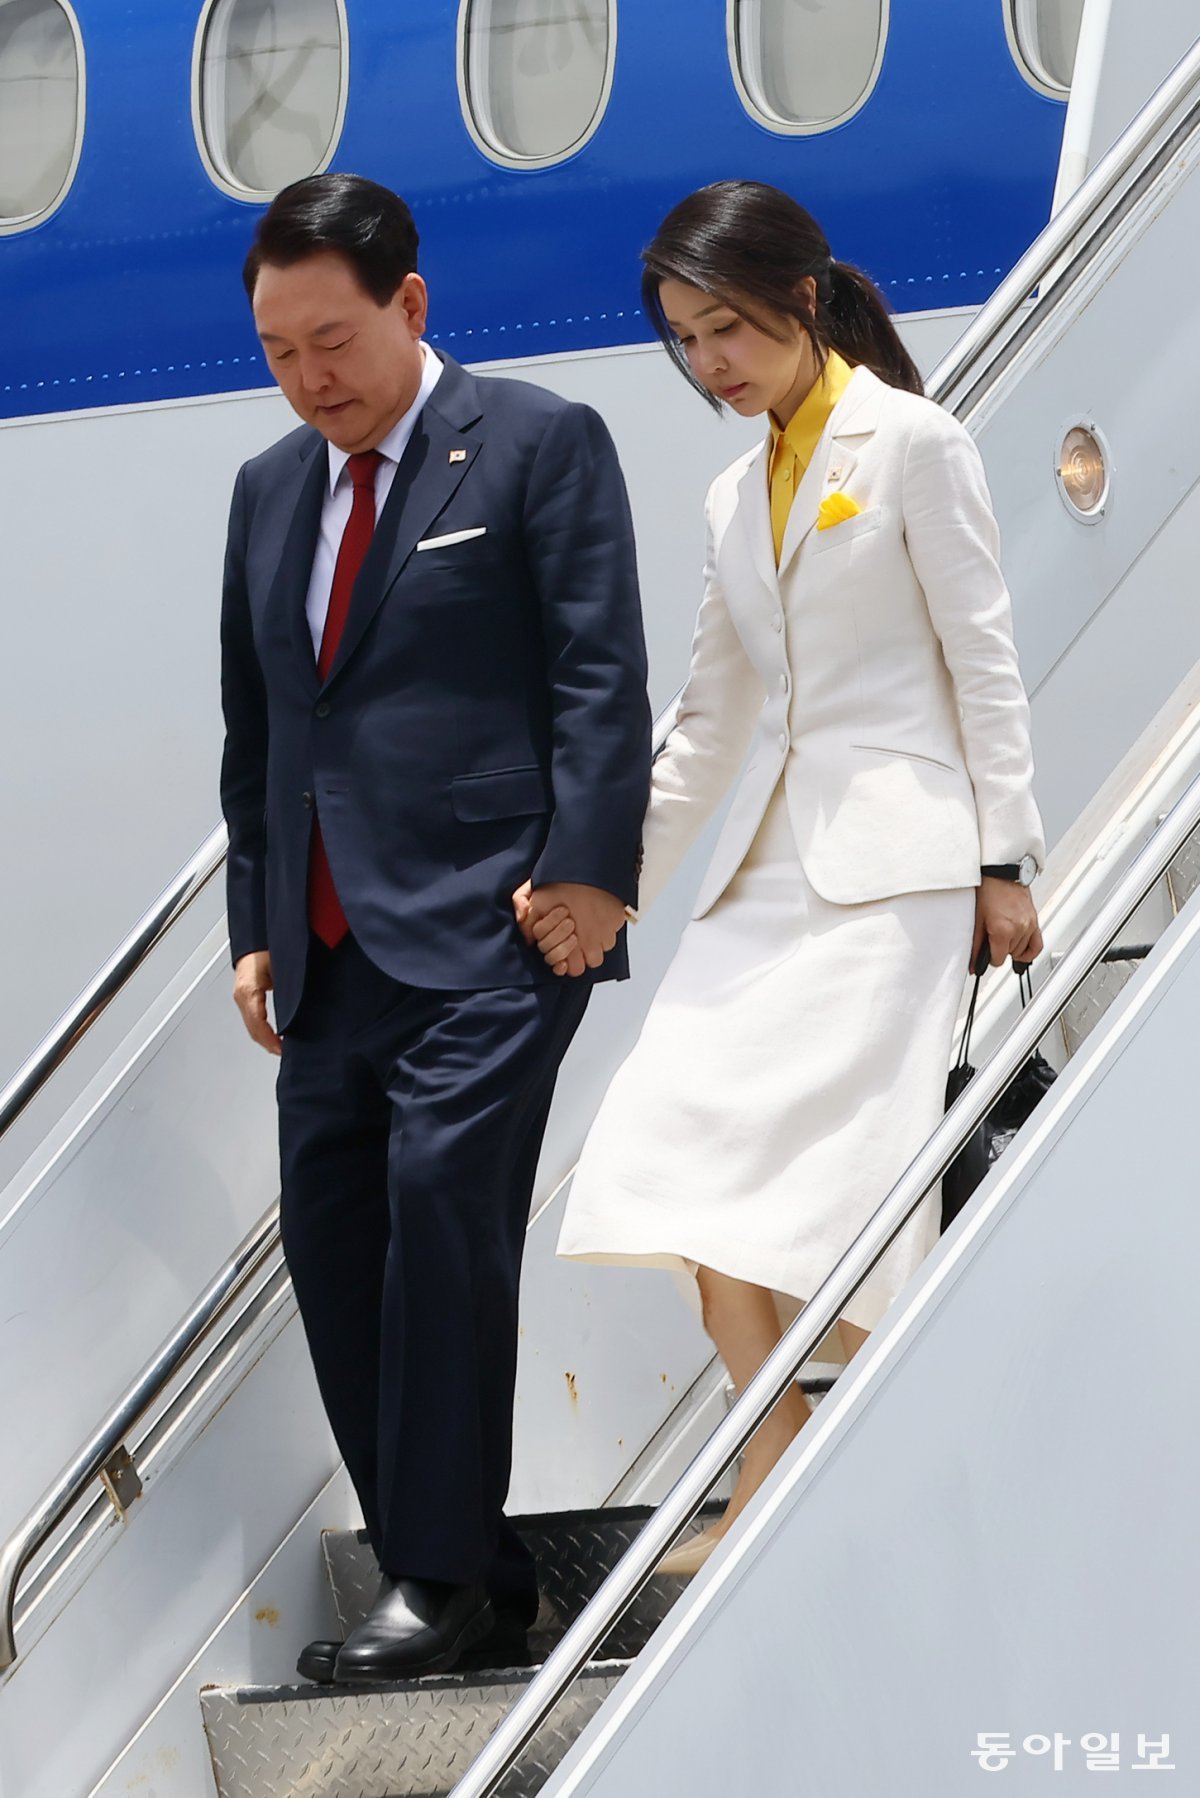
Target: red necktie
{"points": [[325, 915]]}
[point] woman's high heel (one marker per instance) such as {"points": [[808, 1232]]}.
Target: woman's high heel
{"points": [[689, 1556]]}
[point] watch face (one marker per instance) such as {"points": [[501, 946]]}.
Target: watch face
{"points": [[1028, 871]]}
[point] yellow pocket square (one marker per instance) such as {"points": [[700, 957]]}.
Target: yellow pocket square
{"points": [[834, 508]]}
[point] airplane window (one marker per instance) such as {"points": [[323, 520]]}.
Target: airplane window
{"points": [[804, 65], [41, 108], [1046, 33], [270, 90], [534, 75]]}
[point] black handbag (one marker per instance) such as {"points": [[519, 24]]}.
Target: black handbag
{"points": [[992, 1136]]}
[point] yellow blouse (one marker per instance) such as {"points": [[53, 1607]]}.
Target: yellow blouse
{"points": [[792, 445]]}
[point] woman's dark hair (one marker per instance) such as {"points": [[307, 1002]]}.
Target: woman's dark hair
{"points": [[750, 246], [367, 224]]}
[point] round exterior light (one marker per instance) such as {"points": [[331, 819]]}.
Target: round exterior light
{"points": [[1084, 472]]}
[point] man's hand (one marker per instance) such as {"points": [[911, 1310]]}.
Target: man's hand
{"points": [[1005, 915], [573, 925], [520, 905], [251, 984]]}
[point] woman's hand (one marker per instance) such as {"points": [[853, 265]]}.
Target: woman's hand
{"points": [[1005, 914], [573, 925], [554, 933]]}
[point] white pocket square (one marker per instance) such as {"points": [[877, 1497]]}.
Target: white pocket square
{"points": [[480, 530]]}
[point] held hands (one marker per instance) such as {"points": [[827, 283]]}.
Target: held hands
{"points": [[251, 984], [573, 925], [1005, 915]]}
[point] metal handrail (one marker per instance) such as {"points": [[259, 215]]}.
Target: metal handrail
{"points": [[1084, 209], [826, 1305], [74, 1024], [95, 1454]]}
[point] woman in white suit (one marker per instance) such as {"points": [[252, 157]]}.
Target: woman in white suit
{"points": [[854, 659]]}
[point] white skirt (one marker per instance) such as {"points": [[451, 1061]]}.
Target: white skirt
{"points": [[790, 1066]]}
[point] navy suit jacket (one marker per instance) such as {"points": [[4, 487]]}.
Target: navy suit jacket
{"points": [[485, 719]]}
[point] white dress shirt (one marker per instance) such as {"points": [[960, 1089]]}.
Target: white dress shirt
{"points": [[335, 513]]}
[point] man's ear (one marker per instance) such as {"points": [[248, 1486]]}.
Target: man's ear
{"points": [[412, 297]]}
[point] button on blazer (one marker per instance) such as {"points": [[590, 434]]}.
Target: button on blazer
{"points": [[874, 670]]}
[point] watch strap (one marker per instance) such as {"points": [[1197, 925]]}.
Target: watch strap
{"points": [[1024, 872]]}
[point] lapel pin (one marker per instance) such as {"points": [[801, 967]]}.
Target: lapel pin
{"points": [[459, 455]]}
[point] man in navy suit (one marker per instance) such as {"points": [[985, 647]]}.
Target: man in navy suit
{"points": [[433, 676]]}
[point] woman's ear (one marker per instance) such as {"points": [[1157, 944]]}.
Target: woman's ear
{"points": [[806, 293]]}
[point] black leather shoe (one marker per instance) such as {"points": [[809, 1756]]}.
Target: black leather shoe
{"points": [[316, 1662], [505, 1645], [416, 1626]]}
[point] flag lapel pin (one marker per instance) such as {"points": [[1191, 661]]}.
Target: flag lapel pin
{"points": [[458, 455]]}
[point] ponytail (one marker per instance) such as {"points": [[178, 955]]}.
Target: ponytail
{"points": [[750, 246], [853, 319]]}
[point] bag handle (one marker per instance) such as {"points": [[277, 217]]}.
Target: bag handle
{"points": [[980, 968]]}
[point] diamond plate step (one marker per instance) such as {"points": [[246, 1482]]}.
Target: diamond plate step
{"points": [[575, 1552], [1085, 1010], [1183, 876], [414, 1740]]}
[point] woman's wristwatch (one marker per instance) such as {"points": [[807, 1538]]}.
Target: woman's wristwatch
{"points": [[1024, 872]]}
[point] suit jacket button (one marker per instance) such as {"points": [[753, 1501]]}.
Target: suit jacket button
{"points": [[783, 739], [323, 709], [307, 801]]}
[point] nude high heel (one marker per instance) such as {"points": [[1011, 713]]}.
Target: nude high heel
{"points": [[689, 1556]]}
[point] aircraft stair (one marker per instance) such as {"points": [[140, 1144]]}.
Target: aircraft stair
{"points": [[992, 1499]]}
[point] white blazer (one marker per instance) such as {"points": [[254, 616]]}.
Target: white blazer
{"points": [[875, 670]]}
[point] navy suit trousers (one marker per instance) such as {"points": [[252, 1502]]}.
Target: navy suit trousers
{"points": [[410, 1125]]}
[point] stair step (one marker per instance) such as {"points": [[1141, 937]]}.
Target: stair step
{"points": [[575, 1552], [416, 1738], [410, 1740]]}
